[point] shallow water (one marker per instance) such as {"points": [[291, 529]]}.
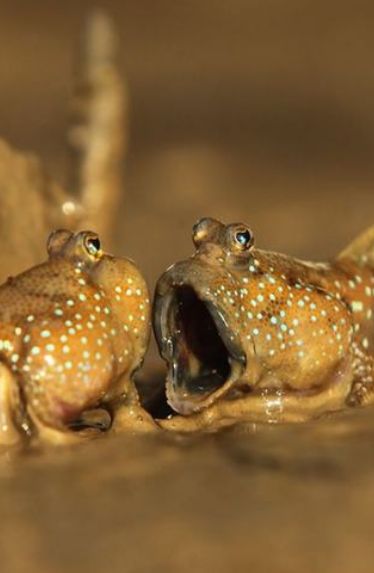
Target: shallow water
{"points": [[262, 112]]}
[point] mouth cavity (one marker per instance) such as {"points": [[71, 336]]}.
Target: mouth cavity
{"points": [[201, 349]]}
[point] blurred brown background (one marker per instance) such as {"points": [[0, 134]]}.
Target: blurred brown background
{"points": [[262, 111], [245, 110]]}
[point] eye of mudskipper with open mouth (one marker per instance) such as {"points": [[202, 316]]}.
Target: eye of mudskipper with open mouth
{"points": [[203, 354]]}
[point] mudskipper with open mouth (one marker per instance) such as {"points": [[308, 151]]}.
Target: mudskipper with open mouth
{"points": [[254, 335]]}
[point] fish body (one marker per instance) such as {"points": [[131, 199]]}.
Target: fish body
{"points": [[252, 334], [72, 332]]}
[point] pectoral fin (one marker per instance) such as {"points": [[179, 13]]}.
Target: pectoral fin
{"points": [[361, 249]]}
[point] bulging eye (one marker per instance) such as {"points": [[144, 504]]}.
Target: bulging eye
{"points": [[243, 238], [93, 246], [206, 229]]}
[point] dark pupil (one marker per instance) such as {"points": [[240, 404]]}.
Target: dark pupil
{"points": [[243, 237], [95, 244]]}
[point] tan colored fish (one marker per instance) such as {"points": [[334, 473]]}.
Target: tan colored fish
{"points": [[254, 335], [73, 330]]}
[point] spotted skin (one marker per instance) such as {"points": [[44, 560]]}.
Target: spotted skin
{"points": [[72, 332], [305, 331]]}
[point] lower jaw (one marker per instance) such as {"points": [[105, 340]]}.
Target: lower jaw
{"points": [[186, 402]]}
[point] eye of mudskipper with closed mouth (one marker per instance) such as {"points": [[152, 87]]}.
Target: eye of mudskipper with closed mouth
{"points": [[203, 354]]}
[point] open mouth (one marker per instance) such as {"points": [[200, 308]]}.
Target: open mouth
{"points": [[203, 353]]}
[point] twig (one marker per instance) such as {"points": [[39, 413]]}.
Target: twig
{"points": [[98, 135]]}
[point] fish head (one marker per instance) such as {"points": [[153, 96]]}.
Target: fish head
{"points": [[197, 316]]}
